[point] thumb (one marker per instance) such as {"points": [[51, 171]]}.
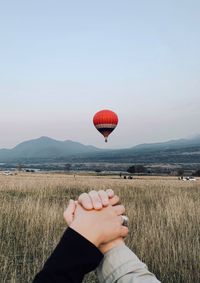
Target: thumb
{"points": [[69, 212]]}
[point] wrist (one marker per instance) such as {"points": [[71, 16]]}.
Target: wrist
{"points": [[110, 245], [87, 233]]}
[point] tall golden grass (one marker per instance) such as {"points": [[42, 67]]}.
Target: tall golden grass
{"points": [[164, 222]]}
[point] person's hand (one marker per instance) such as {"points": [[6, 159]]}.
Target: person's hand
{"points": [[92, 200], [99, 227], [98, 200], [95, 200]]}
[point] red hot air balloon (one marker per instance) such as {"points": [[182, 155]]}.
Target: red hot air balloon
{"points": [[105, 121]]}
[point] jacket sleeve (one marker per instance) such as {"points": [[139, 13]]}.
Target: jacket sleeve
{"points": [[73, 257], [121, 265]]}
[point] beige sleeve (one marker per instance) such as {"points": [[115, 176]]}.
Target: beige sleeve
{"points": [[121, 265]]}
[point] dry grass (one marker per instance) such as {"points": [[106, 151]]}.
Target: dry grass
{"points": [[164, 222]]}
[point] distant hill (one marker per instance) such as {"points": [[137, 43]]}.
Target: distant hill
{"points": [[174, 151], [172, 144], [45, 149]]}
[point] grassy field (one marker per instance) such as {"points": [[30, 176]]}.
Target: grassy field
{"points": [[164, 222]]}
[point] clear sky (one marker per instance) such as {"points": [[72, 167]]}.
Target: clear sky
{"points": [[61, 61]]}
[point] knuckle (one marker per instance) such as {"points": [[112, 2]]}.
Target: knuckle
{"points": [[123, 208], [94, 195], [102, 194], [117, 198], [83, 195], [109, 192]]}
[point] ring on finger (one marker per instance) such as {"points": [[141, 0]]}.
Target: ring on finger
{"points": [[125, 220]]}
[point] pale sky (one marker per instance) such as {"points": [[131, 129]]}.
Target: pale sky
{"points": [[61, 61]]}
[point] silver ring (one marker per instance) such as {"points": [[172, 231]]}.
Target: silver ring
{"points": [[125, 220]]}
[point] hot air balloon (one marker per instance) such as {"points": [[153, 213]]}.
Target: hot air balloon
{"points": [[105, 121]]}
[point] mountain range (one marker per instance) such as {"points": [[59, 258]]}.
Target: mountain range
{"points": [[45, 149]]}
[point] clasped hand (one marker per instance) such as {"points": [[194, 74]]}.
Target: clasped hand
{"points": [[97, 217]]}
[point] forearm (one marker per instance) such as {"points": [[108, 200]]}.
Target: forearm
{"points": [[73, 257], [121, 265]]}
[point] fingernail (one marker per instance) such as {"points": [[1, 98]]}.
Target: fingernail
{"points": [[89, 205], [98, 205], [105, 202]]}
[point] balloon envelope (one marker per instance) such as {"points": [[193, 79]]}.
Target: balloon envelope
{"points": [[105, 122]]}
